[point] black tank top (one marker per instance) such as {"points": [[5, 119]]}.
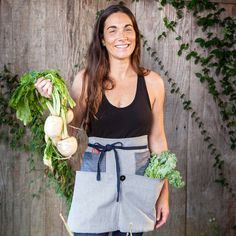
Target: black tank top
{"points": [[130, 121]]}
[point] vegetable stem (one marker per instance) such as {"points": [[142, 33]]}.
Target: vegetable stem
{"points": [[76, 127], [66, 225], [50, 108], [56, 101], [65, 131]]}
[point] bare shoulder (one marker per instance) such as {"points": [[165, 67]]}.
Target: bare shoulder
{"points": [[154, 80], [78, 80], [155, 86], [77, 84]]}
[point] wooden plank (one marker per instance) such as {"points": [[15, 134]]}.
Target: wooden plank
{"points": [[56, 56], [80, 32], [224, 1], [6, 192], [6, 33], [19, 54], [175, 118], [20, 31], [35, 13], [205, 199], [36, 33], [6, 163]]}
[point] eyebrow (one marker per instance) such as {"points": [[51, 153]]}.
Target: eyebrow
{"points": [[114, 27]]}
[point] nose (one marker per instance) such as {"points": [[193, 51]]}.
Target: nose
{"points": [[122, 35]]}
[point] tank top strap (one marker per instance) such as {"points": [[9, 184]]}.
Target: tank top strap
{"points": [[142, 90]]}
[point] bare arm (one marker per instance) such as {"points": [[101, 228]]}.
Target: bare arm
{"points": [[80, 108], [157, 141]]}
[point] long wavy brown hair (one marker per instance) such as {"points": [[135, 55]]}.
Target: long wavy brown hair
{"points": [[98, 67]]}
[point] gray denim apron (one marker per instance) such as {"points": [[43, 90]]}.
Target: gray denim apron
{"points": [[110, 191]]}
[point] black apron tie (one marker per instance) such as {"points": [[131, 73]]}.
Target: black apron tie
{"points": [[109, 147]]}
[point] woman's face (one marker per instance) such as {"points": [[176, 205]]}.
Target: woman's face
{"points": [[119, 36]]}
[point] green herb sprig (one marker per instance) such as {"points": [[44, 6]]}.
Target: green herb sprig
{"points": [[163, 166]]}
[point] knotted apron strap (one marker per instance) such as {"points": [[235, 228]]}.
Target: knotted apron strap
{"points": [[108, 147]]}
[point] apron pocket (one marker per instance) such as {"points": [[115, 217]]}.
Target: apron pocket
{"points": [[142, 191], [90, 162], [142, 160], [139, 196], [93, 209]]}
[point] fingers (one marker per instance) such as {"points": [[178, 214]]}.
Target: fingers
{"points": [[50, 91], [44, 87], [161, 217], [158, 214], [161, 222], [39, 80]]}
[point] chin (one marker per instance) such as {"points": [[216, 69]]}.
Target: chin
{"points": [[122, 56]]}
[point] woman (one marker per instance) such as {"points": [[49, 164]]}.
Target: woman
{"points": [[121, 105]]}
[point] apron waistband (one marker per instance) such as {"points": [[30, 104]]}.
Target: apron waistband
{"points": [[112, 147]]}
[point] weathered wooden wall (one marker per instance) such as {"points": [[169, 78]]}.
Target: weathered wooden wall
{"points": [[55, 34]]}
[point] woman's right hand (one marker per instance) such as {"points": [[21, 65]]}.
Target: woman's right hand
{"points": [[44, 87]]}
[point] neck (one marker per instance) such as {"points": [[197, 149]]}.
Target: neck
{"points": [[121, 69]]}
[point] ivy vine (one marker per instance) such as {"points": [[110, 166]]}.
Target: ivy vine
{"points": [[13, 132], [187, 105], [221, 58], [220, 61]]}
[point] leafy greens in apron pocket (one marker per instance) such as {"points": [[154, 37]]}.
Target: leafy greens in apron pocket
{"points": [[163, 166]]}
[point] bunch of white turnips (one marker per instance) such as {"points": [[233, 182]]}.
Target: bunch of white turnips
{"points": [[55, 127], [30, 104]]}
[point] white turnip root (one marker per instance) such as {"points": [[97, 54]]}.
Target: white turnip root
{"points": [[68, 146], [53, 126], [69, 116], [55, 140]]}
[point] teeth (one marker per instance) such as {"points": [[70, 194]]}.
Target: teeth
{"points": [[122, 46]]}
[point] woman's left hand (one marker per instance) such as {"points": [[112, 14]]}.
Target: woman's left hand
{"points": [[162, 209]]}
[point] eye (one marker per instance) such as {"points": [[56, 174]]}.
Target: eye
{"points": [[112, 31], [129, 29]]}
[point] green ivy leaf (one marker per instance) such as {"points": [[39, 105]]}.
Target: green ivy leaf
{"points": [[203, 132], [210, 145], [145, 42], [199, 75], [159, 37], [178, 38], [209, 35], [193, 114], [153, 54], [200, 41], [191, 54], [177, 90]]}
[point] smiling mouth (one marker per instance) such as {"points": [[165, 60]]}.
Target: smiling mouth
{"points": [[122, 46]]}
